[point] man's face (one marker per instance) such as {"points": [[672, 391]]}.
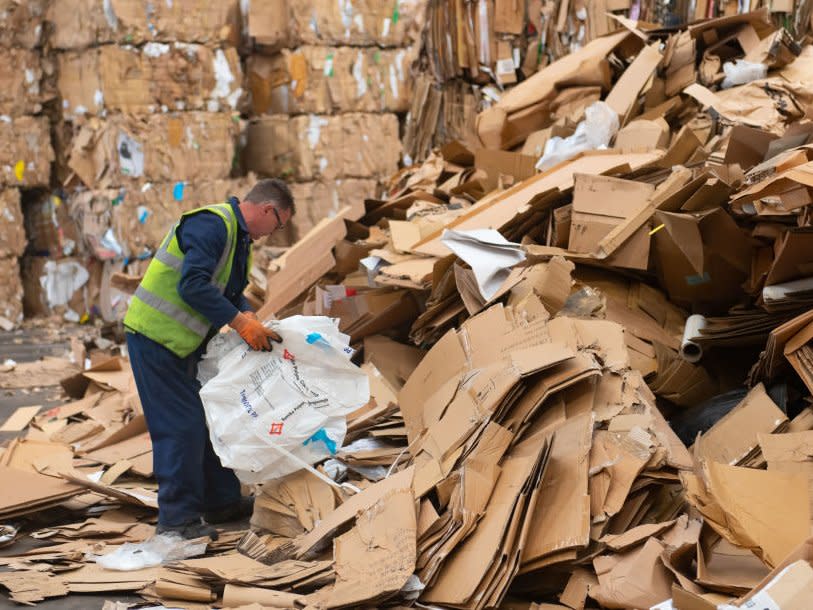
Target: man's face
{"points": [[269, 218]]}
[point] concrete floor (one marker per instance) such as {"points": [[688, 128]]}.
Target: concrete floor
{"points": [[27, 346]]}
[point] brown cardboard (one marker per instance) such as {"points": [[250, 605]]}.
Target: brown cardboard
{"points": [[308, 543], [791, 452], [498, 127], [486, 552], [329, 80], [352, 145], [316, 201], [269, 24], [625, 93], [721, 566], [797, 351], [22, 23], [792, 259], [641, 135], [18, 420], [23, 86], [734, 438], [692, 262], [101, 154], [637, 579], [365, 23], [26, 159], [11, 294], [508, 16], [497, 208], [769, 521], [789, 588], [747, 146], [160, 77], [86, 23], [499, 162], [564, 485], [27, 491], [600, 203], [12, 232], [376, 558], [235, 596], [301, 265]]}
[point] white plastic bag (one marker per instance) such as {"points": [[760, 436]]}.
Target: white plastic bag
{"points": [[270, 413], [741, 72], [599, 126], [153, 552]]}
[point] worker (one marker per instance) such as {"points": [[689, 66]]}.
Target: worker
{"points": [[194, 286]]}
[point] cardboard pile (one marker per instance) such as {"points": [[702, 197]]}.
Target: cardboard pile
{"points": [[532, 449], [531, 312], [325, 81]]}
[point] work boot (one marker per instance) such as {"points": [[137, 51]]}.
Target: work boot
{"points": [[189, 531], [241, 509]]}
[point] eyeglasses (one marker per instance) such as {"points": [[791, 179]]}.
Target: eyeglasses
{"points": [[280, 224]]}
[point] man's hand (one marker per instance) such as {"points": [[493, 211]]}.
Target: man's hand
{"points": [[251, 315], [253, 332]]}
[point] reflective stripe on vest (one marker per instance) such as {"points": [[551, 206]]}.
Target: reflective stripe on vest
{"points": [[173, 311], [158, 311]]}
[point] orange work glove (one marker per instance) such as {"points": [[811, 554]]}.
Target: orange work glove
{"points": [[253, 332]]}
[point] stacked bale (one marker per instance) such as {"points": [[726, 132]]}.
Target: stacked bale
{"points": [[328, 81], [26, 87], [149, 125]]}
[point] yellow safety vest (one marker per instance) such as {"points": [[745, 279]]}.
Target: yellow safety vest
{"points": [[157, 310]]}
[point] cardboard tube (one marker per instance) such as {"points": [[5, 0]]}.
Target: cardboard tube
{"points": [[690, 348]]}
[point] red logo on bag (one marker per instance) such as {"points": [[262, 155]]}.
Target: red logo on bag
{"points": [[276, 429], [288, 355]]}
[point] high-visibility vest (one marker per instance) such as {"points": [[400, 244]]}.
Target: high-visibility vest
{"points": [[157, 310]]}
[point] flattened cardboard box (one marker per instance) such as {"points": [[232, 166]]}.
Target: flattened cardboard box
{"points": [[21, 23], [12, 230], [21, 82], [327, 80], [82, 23], [26, 154], [11, 294], [157, 77], [188, 146], [353, 145]]}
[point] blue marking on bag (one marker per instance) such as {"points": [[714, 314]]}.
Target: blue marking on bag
{"points": [[321, 435]]}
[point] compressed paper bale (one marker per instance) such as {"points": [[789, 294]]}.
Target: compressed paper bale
{"points": [[11, 294], [21, 23], [143, 218], [155, 78], [184, 146], [353, 145], [22, 90], [327, 22], [12, 229], [82, 23], [318, 200], [26, 154], [327, 80]]}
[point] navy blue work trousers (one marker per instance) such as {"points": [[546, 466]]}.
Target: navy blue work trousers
{"points": [[191, 479]]}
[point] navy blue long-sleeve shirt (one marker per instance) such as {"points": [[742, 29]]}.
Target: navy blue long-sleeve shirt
{"points": [[202, 239]]}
